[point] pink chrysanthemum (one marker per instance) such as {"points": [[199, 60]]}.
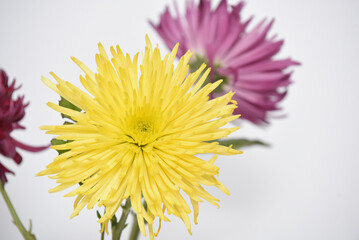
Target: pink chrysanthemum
{"points": [[11, 112], [242, 58]]}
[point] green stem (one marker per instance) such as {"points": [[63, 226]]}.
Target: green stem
{"points": [[103, 232], [117, 228], [135, 231], [16, 220]]}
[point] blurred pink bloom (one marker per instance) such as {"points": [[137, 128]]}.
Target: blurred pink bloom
{"points": [[11, 112], [244, 59]]}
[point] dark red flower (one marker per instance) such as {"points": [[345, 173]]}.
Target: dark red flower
{"points": [[11, 112]]}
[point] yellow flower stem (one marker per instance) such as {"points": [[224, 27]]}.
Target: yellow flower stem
{"points": [[27, 235], [117, 227]]}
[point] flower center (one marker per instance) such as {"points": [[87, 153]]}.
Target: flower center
{"points": [[144, 128], [143, 133]]}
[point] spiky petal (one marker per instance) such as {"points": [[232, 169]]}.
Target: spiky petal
{"points": [[137, 136]]}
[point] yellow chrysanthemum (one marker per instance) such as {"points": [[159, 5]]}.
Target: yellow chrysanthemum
{"points": [[137, 136]]}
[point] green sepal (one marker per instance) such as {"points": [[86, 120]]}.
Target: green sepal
{"points": [[67, 104], [241, 143]]}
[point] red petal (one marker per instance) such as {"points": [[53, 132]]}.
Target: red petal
{"points": [[30, 148]]}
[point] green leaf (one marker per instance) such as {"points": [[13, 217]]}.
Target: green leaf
{"points": [[67, 104], [98, 214], [114, 220], [55, 141], [240, 143]]}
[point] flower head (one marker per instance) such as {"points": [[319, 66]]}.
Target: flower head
{"points": [[137, 136], [11, 112], [242, 58]]}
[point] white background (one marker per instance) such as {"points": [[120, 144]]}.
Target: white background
{"points": [[303, 187]]}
